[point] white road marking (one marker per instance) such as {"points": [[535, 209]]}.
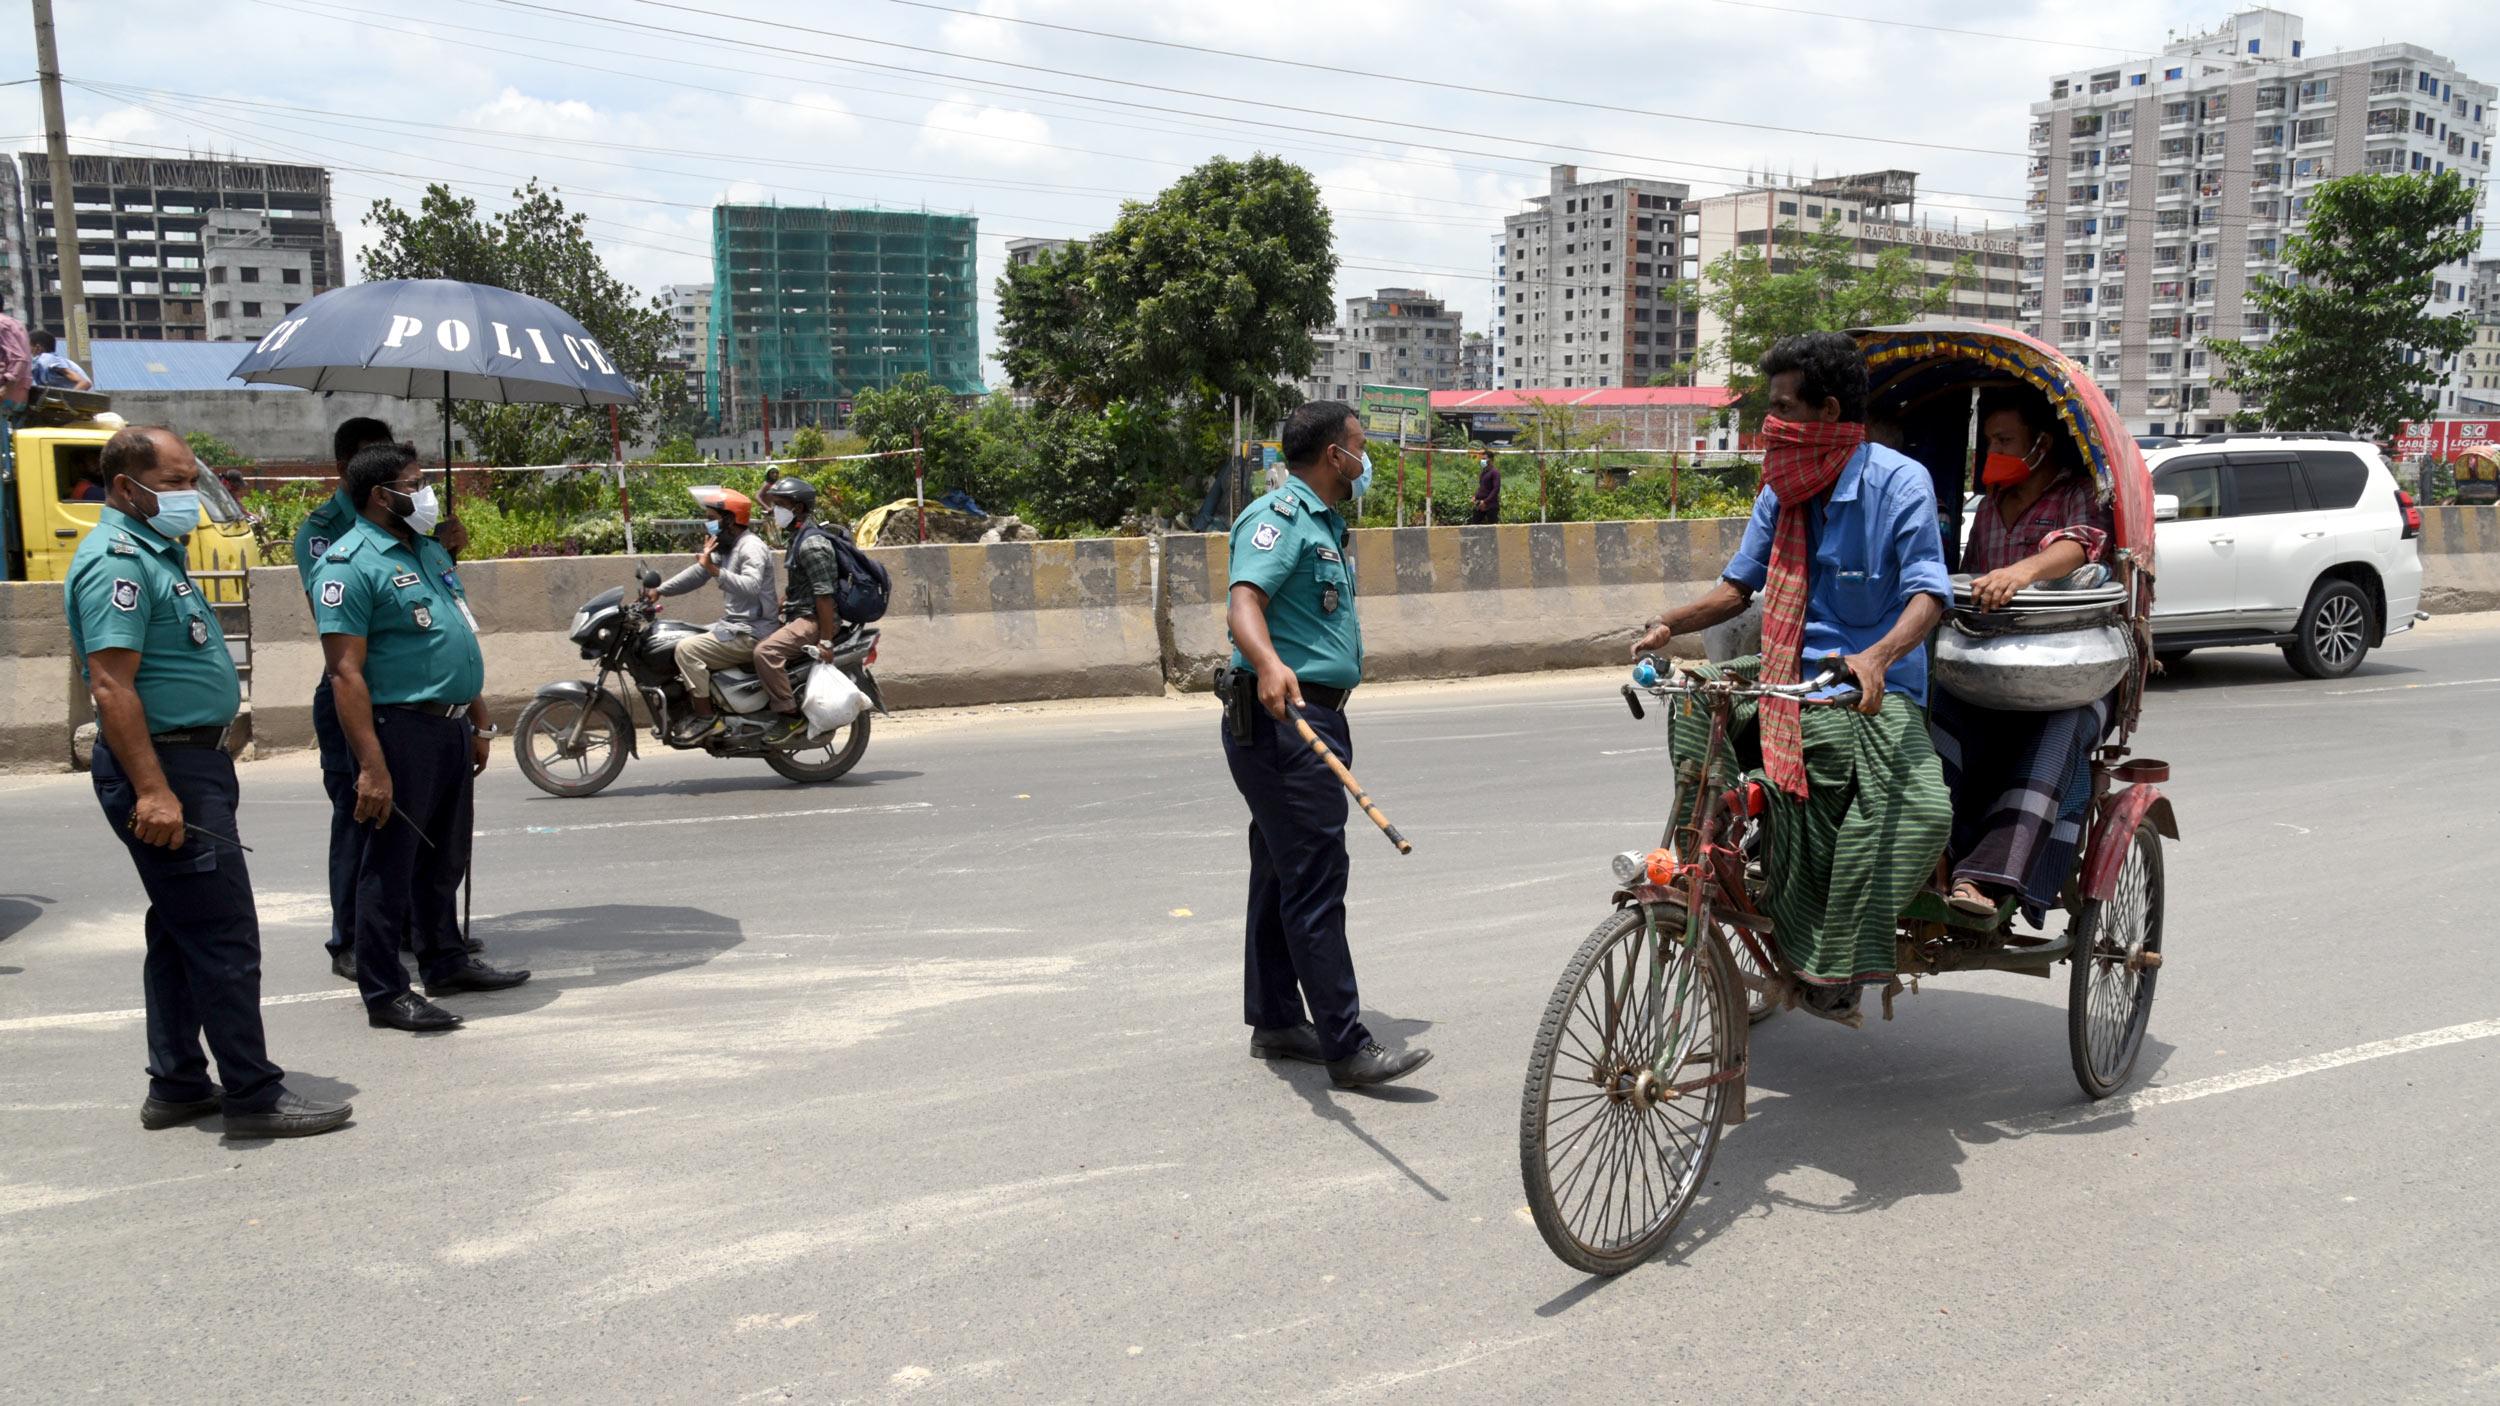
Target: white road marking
{"points": [[2405, 687], [345, 993], [2249, 1078], [1631, 751], [702, 819], [1382, 1381]]}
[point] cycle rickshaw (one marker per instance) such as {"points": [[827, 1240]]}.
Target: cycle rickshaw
{"points": [[1640, 1062]]}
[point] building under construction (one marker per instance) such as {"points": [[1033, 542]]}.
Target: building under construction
{"points": [[811, 306]]}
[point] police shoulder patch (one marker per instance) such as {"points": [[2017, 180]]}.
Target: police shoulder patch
{"points": [[318, 546], [1266, 537], [125, 593], [333, 592]]}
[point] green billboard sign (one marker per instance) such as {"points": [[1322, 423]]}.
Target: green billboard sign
{"points": [[1392, 411]]}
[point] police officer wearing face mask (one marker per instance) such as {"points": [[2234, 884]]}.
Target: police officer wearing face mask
{"points": [[165, 693], [1297, 641], [406, 675]]}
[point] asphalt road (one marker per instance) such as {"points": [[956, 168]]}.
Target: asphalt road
{"points": [[930, 1085]]}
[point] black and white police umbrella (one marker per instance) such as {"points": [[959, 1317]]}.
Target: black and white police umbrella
{"points": [[438, 339]]}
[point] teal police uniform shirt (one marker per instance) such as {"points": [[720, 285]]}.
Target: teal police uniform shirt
{"points": [[1293, 546], [128, 588], [324, 527], [408, 604]]}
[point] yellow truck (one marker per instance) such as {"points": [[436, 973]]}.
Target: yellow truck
{"points": [[49, 502]]}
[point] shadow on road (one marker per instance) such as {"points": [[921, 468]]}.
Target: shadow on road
{"points": [[604, 945], [1864, 1120], [18, 912], [719, 785], [319, 1087], [2261, 668], [1330, 1102]]}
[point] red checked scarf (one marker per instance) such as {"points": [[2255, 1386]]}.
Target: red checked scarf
{"points": [[1803, 461]]}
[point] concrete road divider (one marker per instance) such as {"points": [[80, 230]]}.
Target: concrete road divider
{"points": [[2460, 559]]}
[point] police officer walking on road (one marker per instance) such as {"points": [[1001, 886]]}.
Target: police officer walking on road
{"points": [[1297, 643], [166, 692], [407, 677]]}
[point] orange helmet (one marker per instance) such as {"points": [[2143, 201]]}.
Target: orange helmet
{"points": [[729, 500]]}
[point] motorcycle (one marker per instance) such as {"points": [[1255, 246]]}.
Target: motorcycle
{"points": [[575, 736]]}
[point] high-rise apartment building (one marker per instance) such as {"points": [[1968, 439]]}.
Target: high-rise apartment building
{"points": [[1874, 212], [2161, 188], [818, 305], [1475, 362], [17, 266], [689, 350], [1024, 253], [1587, 279], [253, 281], [1402, 337], [143, 232]]}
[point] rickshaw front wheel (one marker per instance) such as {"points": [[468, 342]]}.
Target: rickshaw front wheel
{"points": [[2117, 962]]}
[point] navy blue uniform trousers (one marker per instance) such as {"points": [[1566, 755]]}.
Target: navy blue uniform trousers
{"points": [[408, 870], [338, 780], [1295, 947], [203, 933]]}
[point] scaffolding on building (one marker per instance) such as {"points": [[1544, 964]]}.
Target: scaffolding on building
{"points": [[811, 306]]}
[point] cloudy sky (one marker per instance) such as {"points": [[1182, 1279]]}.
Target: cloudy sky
{"points": [[1041, 116]]}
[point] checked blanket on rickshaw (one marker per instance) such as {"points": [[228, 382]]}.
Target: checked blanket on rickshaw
{"points": [[1847, 859]]}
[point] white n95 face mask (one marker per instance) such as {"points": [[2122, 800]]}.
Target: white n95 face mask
{"points": [[783, 517], [424, 510]]}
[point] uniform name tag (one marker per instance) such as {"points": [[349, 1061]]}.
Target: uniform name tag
{"points": [[404, 580], [125, 594], [182, 588], [1329, 554], [423, 617], [1266, 537]]}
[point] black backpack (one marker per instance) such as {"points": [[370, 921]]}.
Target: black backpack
{"points": [[865, 588]]}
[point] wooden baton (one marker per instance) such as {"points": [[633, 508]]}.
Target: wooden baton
{"points": [[1345, 778]]}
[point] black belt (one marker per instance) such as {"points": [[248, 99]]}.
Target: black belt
{"points": [[210, 737], [1333, 699], [427, 710]]}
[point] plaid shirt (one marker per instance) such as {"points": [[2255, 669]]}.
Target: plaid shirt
{"points": [[2069, 512]]}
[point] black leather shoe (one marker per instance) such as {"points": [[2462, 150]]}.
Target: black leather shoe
{"points": [[1373, 1065], [343, 965], [473, 945], [156, 1114], [1288, 1042], [412, 1013], [476, 976], [292, 1115]]}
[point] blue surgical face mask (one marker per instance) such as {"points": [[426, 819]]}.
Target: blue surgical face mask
{"points": [[711, 527], [1363, 480], [177, 513]]}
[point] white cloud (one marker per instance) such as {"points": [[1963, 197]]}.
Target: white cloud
{"points": [[990, 136]]}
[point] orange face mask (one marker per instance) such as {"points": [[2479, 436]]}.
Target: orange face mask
{"points": [[2004, 470]]}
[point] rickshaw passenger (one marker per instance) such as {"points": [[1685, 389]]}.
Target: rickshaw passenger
{"points": [[2016, 776], [1844, 545]]}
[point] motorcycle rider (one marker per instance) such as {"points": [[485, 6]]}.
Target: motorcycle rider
{"points": [[807, 602], [739, 560]]}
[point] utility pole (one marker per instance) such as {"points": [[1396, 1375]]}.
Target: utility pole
{"points": [[64, 195]]}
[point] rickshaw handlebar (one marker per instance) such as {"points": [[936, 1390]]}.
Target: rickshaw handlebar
{"points": [[1662, 681]]}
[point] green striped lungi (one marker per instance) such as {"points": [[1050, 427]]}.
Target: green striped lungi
{"points": [[1846, 860]]}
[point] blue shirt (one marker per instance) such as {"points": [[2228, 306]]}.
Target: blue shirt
{"points": [[1292, 546], [1876, 545], [53, 369]]}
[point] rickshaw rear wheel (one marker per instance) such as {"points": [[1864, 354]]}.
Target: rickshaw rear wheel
{"points": [[2110, 997], [1613, 1141]]}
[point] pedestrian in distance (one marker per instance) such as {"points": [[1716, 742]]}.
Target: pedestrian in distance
{"points": [[166, 693], [17, 365], [1298, 646], [407, 676], [55, 370], [1488, 501]]}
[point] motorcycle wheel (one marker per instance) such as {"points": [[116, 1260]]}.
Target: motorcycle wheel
{"points": [[822, 759], [538, 745]]}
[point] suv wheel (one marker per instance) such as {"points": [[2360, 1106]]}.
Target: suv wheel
{"points": [[2334, 631]]}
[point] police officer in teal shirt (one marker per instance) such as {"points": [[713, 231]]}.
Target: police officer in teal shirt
{"points": [[1299, 644], [400, 647], [165, 694]]}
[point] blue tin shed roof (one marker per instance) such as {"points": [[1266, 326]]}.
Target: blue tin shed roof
{"points": [[168, 366]]}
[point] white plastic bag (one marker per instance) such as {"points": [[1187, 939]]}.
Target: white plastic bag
{"points": [[832, 700]]}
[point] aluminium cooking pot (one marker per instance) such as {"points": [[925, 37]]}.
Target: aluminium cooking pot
{"points": [[2052, 648]]}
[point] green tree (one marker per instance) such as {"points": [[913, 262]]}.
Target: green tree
{"points": [[539, 248], [1815, 285], [215, 453], [913, 412], [1205, 294], [2352, 348]]}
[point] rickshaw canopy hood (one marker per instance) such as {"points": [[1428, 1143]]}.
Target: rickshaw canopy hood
{"points": [[1909, 363]]}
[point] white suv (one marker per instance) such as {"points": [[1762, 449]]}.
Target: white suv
{"points": [[2302, 541]]}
